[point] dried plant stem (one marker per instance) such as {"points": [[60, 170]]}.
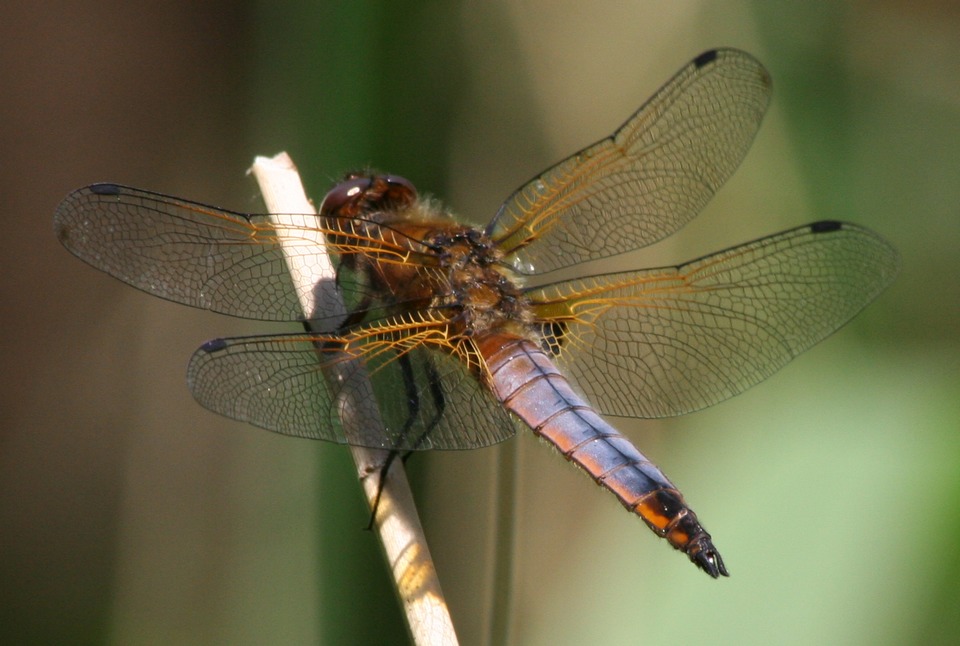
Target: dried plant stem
{"points": [[396, 519]]}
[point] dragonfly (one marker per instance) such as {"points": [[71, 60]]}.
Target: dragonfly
{"points": [[461, 335]]}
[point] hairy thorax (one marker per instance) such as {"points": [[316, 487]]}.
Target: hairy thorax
{"points": [[412, 254], [477, 289]]}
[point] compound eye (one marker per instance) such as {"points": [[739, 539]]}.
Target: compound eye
{"points": [[346, 192], [359, 193], [400, 191]]}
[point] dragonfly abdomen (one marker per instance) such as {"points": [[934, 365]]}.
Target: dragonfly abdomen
{"points": [[529, 384]]}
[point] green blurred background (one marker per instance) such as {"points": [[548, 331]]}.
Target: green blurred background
{"points": [[130, 515]]}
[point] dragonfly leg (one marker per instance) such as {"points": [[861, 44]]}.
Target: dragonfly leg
{"points": [[384, 470], [413, 412], [439, 405], [414, 403]]}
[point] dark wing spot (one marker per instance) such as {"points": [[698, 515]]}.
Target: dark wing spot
{"points": [[105, 189], [826, 226], [705, 58], [214, 345], [552, 337]]}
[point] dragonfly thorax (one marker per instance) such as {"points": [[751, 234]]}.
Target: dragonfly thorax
{"points": [[410, 250], [477, 289]]}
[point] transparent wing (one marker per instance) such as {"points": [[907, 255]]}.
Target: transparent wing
{"points": [[182, 251], [669, 341], [345, 389], [649, 178], [208, 257]]}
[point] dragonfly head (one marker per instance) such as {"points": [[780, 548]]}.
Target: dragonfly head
{"points": [[361, 193]]}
